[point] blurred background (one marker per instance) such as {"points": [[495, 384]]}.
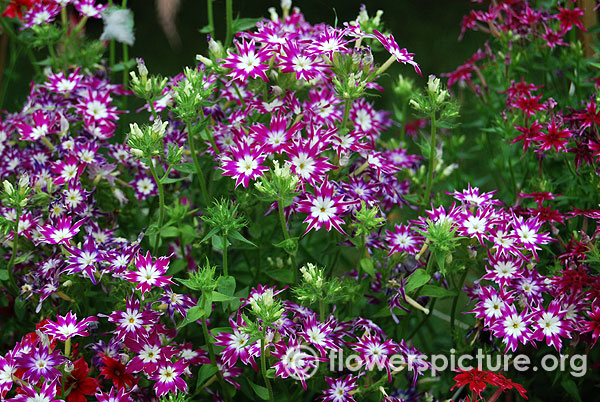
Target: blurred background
{"points": [[428, 28], [168, 34]]}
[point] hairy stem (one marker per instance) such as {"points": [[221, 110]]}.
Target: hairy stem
{"points": [[197, 164], [263, 362], [161, 204], [431, 164], [229, 19]]}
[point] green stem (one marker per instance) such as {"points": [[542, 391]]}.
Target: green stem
{"points": [[263, 362], [229, 19], [15, 247], [68, 347], [211, 353], [197, 164], [347, 105], [455, 301], [161, 204], [6, 28], [431, 164], [239, 94], [225, 245], [152, 109], [211, 22], [322, 310], [125, 70], [286, 235], [423, 321], [404, 121]]}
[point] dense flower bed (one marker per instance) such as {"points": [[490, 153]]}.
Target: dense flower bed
{"points": [[261, 219]]}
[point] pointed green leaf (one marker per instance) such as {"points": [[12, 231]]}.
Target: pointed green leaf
{"points": [[238, 236], [417, 279], [259, 390]]}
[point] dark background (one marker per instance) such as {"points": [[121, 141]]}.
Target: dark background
{"points": [[428, 28]]}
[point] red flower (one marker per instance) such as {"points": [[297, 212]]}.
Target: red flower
{"points": [[477, 380], [15, 8], [114, 370], [506, 384], [79, 382], [556, 138]]}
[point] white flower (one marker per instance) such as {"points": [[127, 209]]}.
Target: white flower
{"points": [[118, 25]]}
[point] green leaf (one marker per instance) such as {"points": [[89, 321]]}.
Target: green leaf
{"points": [[220, 297], [210, 234], [289, 245], [169, 231], [188, 234], [3, 274], [169, 180], [417, 279], [259, 390], [195, 313], [129, 64], [436, 291], [152, 230], [367, 265], [206, 371], [185, 168], [226, 285], [571, 388], [20, 308], [237, 236], [282, 275], [243, 24], [271, 373]]}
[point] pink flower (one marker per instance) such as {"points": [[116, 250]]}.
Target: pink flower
{"points": [[339, 389], [514, 327], [8, 367], [62, 84], [375, 354], [293, 360], [402, 238], [237, 345], [168, 378], [324, 208], [132, 320], [299, 61], [67, 327], [402, 55], [84, 259], [555, 138], [40, 363], [244, 163], [249, 62], [60, 232], [89, 9], [42, 126], [149, 273], [29, 393], [552, 325]]}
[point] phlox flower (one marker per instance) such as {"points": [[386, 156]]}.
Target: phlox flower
{"points": [[339, 389], [60, 232], [249, 63], [244, 163], [402, 55], [402, 238], [67, 327], [168, 378], [513, 327], [149, 273], [324, 208], [552, 325]]}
